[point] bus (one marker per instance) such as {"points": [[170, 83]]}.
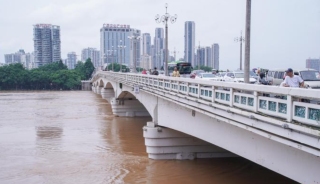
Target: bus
{"points": [[183, 67]]}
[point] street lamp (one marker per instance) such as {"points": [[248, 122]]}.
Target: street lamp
{"points": [[247, 46], [121, 47], [164, 19], [134, 40], [240, 39], [112, 55]]}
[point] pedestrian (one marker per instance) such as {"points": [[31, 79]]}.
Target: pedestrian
{"points": [[144, 71], [291, 80], [175, 73], [155, 72]]}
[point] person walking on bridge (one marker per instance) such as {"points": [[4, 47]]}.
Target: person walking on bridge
{"points": [[291, 80], [175, 73]]}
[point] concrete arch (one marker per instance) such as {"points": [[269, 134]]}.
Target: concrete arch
{"points": [[101, 83]]}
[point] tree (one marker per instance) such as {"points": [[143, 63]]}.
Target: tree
{"points": [[88, 69], [116, 67]]}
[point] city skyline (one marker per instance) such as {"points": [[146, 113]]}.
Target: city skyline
{"points": [[283, 33]]}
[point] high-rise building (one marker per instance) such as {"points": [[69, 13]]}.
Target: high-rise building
{"points": [[159, 47], [111, 37], [93, 54], [201, 56], [146, 44], [215, 56], [146, 62], [189, 42], [14, 57], [208, 57], [47, 42], [71, 60], [313, 63]]}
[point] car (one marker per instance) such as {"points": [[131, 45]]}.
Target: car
{"points": [[206, 76], [237, 77], [195, 73]]}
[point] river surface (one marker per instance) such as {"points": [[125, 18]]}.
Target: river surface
{"points": [[72, 137]]}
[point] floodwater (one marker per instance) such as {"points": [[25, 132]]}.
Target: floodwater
{"points": [[72, 137]]}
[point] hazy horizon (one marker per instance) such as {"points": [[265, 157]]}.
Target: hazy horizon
{"points": [[284, 33]]}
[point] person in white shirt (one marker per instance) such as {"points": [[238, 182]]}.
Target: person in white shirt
{"points": [[291, 80]]}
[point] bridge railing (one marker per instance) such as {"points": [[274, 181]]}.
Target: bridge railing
{"points": [[280, 102]]}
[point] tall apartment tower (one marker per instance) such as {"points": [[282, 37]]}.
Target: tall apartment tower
{"points": [[93, 54], [313, 63], [208, 57], [47, 44], [215, 56], [111, 37], [189, 42], [159, 47], [71, 60], [146, 44]]}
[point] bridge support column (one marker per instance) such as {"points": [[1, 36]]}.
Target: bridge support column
{"points": [[165, 143], [98, 90], [93, 89], [128, 107], [107, 94]]}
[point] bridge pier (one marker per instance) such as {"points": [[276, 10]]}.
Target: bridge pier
{"points": [[107, 94], [98, 90], [93, 89], [165, 143], [128, 107]]}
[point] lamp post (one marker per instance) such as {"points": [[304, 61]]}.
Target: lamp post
{"points": [[121, 47], [111, 52], [240, 39], [164, 19], [247, 41], [134, 39]]}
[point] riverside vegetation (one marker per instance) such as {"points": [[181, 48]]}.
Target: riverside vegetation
{"points": [[53, 76]]}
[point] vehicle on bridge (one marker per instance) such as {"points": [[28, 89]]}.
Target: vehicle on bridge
{"points": [[183, 67], [206, 76], [196, 73], [237, 76], [311, 77]]}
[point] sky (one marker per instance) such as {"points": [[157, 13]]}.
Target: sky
{"points": [[284, 33]]}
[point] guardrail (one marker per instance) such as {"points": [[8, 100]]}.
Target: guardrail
{"points": [[248, 97]]}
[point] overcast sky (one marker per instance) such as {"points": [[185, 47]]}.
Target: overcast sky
{"points": [[284, 32]]}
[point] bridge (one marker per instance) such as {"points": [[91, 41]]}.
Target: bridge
{"points": [[268, 125]]}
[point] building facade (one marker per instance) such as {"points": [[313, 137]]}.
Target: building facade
{"points": [[215, 56], [146, 44], [146, 62], [208, 57], [189, 42], [93, 54], [71, 60], [313, 63], [113, 38], [47, 44], [201, 56], [159, 47]]}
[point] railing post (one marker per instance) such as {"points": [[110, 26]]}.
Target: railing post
{"points": [[256, 101], [213, 94], [187, 88], [289, 108], [199, 86], [231, 97], [170, 85]]}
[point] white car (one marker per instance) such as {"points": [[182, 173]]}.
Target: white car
{"points": [[206, 76], [237, 77]]}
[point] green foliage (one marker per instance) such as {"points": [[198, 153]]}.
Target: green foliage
{"points": [[116, 67], [53, 76]]}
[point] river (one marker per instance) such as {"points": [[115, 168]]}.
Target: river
{"points": [[72, 137]]}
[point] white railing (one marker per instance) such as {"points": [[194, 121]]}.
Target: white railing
{"points": [[258, 99]]}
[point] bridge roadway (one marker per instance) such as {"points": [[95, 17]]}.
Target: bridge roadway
{"points": [[200, 119]]}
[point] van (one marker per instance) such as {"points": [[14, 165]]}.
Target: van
{"points": [[310, 76]]}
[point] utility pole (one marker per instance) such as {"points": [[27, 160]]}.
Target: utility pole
{"points": [[164, 19], [247, 47], [121, 46], [240, 39]]}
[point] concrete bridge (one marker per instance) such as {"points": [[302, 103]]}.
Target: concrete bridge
{"points": [[202, 119]]}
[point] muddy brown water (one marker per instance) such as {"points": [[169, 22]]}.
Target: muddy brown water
{"points": [[72, 137]]}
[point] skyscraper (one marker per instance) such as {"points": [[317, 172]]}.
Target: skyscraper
{"points": [[189, 42], [47, 42], [215, 56], [159, 47], [313, 63], [111, 37], [71, 60], [201, 56], [208, 57], [93, 54], [146, 44]]}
